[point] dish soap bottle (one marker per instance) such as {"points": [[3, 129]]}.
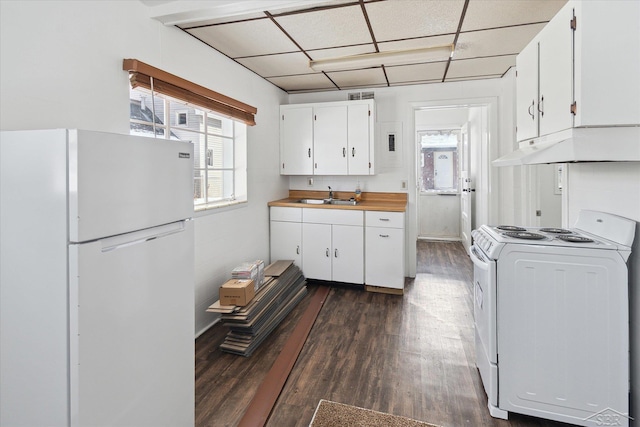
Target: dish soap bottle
{"points": [[358, 192]]}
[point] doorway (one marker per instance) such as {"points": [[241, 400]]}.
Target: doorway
{"points": [[479, 204], [438, 183]]}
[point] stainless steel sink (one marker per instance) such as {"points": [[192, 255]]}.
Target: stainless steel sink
{"points": [[313, 201], [346, 202], [349, 202]]}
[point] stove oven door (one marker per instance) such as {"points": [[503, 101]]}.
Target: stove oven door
{"points": [[484, 312]]}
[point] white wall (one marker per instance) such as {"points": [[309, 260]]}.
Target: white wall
{"points": [[396, 105], [61, 67], [614, 188]]}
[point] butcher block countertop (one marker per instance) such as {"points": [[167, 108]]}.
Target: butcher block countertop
{"points": [[390, 202]]}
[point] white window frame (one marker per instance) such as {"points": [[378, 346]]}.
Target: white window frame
{"points": [[238, 137]]}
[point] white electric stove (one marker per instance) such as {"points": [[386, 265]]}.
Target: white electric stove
{"points": [[552, 319]]}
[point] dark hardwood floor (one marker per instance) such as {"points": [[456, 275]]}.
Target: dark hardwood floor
{"points": [[410, 355]]}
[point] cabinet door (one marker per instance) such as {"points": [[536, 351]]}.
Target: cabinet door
{"points": [[556, 73], [527, 92], [330, 140], [348, 254], [316, 256], [286, 241], [359, 139], [384, 257], [296, 141]]}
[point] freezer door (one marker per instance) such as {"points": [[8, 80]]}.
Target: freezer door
{"points": [[123, 183], [132, 329]]}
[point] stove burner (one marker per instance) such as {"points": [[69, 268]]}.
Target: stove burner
{"points": [[527, 235], [574, 239], [510, 228], [556, 231]]}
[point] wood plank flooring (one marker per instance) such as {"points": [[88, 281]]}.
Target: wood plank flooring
{"points": [[411, 355]]}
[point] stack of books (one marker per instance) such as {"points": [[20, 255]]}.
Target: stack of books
{"points": [[283, 288]]}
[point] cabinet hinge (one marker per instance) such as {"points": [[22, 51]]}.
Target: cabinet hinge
{"points": [[574, 108], [574, 23]]}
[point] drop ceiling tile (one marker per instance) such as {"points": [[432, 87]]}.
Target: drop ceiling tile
{"points": [[302, 82], [249, 38], [358, 78], [341, 51], [417, 43], [394, 20], [499, 13], [502, 41], [318, 29], [416, 73], [284, 64], [477, 67]]}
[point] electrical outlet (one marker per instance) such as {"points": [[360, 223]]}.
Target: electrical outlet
{"points": [[309, 182], [404, 185]]}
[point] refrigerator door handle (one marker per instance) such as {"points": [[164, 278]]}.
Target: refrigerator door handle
{"points": [[142, 236]]}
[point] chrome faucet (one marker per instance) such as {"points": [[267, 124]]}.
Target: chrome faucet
{"points": [[330, 193]]}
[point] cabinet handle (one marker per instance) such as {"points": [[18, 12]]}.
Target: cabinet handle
{"points": [[309, 153], [383, 219], [530, 109], [335, 253], [327, 253], [298, 249], [383, 235], [541, 106], [344, 152], [353, 151]]}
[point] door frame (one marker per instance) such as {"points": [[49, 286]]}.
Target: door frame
{"points": [[490, 179]]}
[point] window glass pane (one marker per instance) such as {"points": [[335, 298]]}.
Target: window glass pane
{"points": [[199, 196], [222, 152], [439, 160], [220, 185], [141, 114], [218, 125]]}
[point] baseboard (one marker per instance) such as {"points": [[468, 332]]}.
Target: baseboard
{"points": [[383, 290]]}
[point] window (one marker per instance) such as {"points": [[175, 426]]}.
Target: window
{"points": [[163, 105], [439, 160], [219, 144]]}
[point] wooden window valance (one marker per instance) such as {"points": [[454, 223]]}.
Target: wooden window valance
{"points": [[142, 75]]}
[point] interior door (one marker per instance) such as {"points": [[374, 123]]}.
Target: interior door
{"points": [[467, 189]]}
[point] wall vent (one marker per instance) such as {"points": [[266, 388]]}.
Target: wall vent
{"points": [[355, 96]]}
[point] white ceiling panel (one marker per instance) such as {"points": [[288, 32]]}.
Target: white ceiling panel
{"points": [[416, 73], [480, 67], [394, 20], [258, 37], [359, 78], [341, 51], [284, 64], [327, 28], [417, 43], [316, 81], [502, 41], [499, 13]]}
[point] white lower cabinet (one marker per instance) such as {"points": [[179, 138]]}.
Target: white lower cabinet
{"points": [[384, 250], [350, 246], [286, 234], [333, 245]]}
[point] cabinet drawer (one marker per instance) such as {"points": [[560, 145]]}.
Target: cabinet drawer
{"points": [[279, 213], [384, 219], [333, 216]]}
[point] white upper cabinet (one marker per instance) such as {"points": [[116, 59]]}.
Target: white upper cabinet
{"points": [[296, 140], [332, 138], [581, 70]]}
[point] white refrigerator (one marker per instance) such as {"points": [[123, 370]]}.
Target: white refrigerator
{"points": [[96, 280]]}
